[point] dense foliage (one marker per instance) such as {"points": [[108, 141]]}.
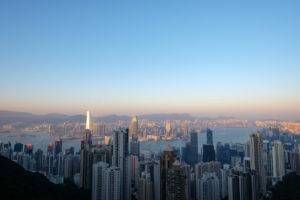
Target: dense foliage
{"points": [[288, 189]]}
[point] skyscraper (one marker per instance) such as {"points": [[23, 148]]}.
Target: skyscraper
{"points": [[166, 161], [145, 187], [176, 187], [106, 182], [86, 156], [57, 146], [208, 153], [134, 127], [168, 127], [209, 136], [28, 149], [122, 159], [190, 151], [256, 159], [135, 147], [208, 187], [50, 149], [278, 160], [233, 187]]}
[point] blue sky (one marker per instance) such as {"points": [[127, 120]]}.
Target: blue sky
{"points": [[207, 58]]}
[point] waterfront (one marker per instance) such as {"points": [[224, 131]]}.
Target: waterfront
{"points": [[42, 139]]}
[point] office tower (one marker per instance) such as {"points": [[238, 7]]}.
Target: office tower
{"points": [[106, 182], [97, 131], [247, 149], [156, 180], [134, 127], [208, 187], [59, 164], [50, 164], [25, 161], [190, 151], [209, 136], [76, 165], [28, 149], [122, 160], [113, 192], [86, 157], [202, 167], [18, 147], [135, 147], [134, 167], [38, 156], [233, 187], [68, 167], [168, 128], [294, 161], [166, 161], [278, 160], [187, 172], [223, 153], [145, 187], [50, 149], [152, 167], [99, 181], [256, 159], [208, 153], [247, 186], [58, 146], [267, 162], [224, 180], [176, 187]]}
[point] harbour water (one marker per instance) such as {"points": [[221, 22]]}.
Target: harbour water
{"points": [[40, 140]]}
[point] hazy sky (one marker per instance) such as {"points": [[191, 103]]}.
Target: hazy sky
{"points": [[207, 58]]}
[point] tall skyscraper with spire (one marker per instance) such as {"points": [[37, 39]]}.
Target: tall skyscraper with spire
{"points": [[86, 156]]}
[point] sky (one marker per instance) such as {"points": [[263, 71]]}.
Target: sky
{"points": [[206, 58]]}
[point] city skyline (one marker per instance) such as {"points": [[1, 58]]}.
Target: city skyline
{"points": [[208, 59]]}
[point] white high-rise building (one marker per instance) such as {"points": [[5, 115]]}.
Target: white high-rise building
{"points": [[224, 179], [208, 187], [278, 160], [106, 182]]}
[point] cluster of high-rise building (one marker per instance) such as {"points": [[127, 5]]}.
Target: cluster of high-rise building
{"points": [[55, 164], [116, 168]]}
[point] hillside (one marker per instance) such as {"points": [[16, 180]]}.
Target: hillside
{"points": [[17, 183]]}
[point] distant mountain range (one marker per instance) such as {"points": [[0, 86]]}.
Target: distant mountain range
{"points": [[12, 116]]}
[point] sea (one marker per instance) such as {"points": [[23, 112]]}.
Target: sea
{"points": [[40, 140]]}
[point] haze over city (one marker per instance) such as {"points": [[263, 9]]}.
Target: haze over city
{"points": [[204, 58]]}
